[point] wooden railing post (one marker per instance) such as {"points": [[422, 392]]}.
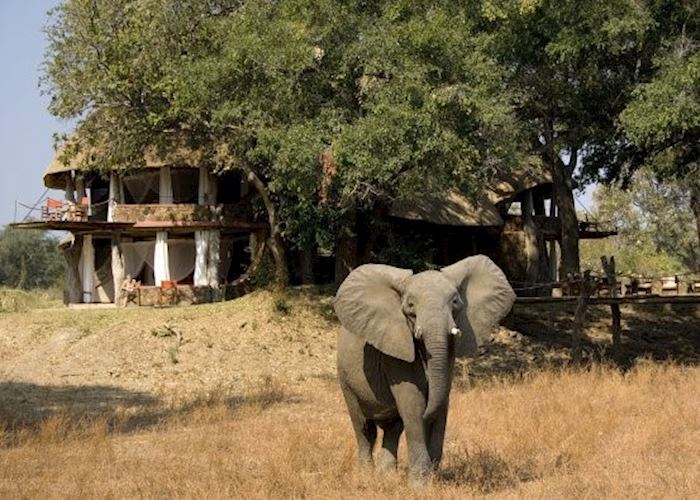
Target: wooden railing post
{"points": [[587, 286], [609, 269]]}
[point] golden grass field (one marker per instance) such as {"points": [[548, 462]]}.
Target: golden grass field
{"points": [[239, 400]]}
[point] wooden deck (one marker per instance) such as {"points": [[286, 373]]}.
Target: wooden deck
{"points": [[627, 299]]}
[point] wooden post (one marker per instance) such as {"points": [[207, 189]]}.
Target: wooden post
{"points": [[580, 316], [532, 249], [609, 269], [73, 289]]}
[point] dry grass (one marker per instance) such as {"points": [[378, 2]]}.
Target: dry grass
{"points": [[555, 434], [251, 409]]}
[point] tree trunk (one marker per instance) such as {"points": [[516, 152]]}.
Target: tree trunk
{"points": [[346, 249], [567, 218], [695, 207], [564, 199], [275, 241]]}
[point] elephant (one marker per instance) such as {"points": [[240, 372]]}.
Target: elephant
{"points": [[400, 333]]}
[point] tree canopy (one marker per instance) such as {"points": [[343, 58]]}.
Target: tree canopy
{"points": [[29, 259]]}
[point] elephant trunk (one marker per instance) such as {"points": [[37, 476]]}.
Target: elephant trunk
{"points": [[439, 373]]}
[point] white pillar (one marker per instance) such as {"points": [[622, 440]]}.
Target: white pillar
{"points": [[161, 264], [165, 186], [113, 195], [201, 243], [87, 269]]}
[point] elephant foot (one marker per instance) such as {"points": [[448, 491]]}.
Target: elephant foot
{"points": [[420, 474]]}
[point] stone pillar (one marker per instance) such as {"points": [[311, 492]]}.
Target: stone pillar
{"points": [[214, 258], [117, 266], [87, 269], [161, 262]]}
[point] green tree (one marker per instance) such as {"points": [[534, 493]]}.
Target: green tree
{"points": [[654, 222], [663, 117], [572, 65], [328, 106], [29, 259]]}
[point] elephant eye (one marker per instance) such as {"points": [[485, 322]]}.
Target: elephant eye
{"points": [[456, 302]]}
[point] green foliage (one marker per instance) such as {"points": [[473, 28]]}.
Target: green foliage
{"points": [[655, 224], [29, 259]]}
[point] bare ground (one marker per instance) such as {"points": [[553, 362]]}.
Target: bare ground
{"points": [[239, 399]]}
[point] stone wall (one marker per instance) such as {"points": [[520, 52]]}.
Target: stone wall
{"points": [[183, 213]]}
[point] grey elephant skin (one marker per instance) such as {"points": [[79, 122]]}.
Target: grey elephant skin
{"points": [[397, 346]]}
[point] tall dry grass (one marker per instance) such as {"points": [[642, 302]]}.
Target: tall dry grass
{"points": [[554, 434]]}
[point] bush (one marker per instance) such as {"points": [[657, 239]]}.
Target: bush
{"points": [[29, 259]]}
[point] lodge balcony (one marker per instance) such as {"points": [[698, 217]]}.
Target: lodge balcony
{"points": [[71, 216], [550, 227]]}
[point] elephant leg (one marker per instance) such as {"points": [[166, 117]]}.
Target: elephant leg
{"points": [[410, 403], [365, 429], [436, 437], [390, 444]]}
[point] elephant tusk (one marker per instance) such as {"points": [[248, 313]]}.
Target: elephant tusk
{"points": [[456, 331], [418, 333]]}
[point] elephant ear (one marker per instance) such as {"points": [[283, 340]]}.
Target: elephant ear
{"points": [[487, 297], [368, 304]]}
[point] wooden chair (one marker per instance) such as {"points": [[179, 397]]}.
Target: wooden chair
{"points": [[52, 210]]}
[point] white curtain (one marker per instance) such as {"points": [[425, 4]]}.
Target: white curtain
{"points": [[113, 195], [207, 187], [87, 269], [137, 254], [161, 265], [181, 257], [207, 262], [201, 241], [166, 186], [142, 186]]}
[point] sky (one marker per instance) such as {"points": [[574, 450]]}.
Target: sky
{"points": [[26, 127]]}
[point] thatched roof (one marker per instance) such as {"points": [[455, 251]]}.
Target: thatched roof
{"points": [[55, 174], [456, 209]]}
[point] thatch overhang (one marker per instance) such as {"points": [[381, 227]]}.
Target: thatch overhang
{"points": [[456, 209], [55, 174]]}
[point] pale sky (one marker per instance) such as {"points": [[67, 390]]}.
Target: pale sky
{"points": [[26, 127]]}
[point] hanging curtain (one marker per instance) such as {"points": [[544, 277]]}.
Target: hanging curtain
{"points": [[142, 187], [137, 254], [161, 266], [207, 187], [181, 257], [87, 269], [201, 242], [113, 195], [166, 186]]}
